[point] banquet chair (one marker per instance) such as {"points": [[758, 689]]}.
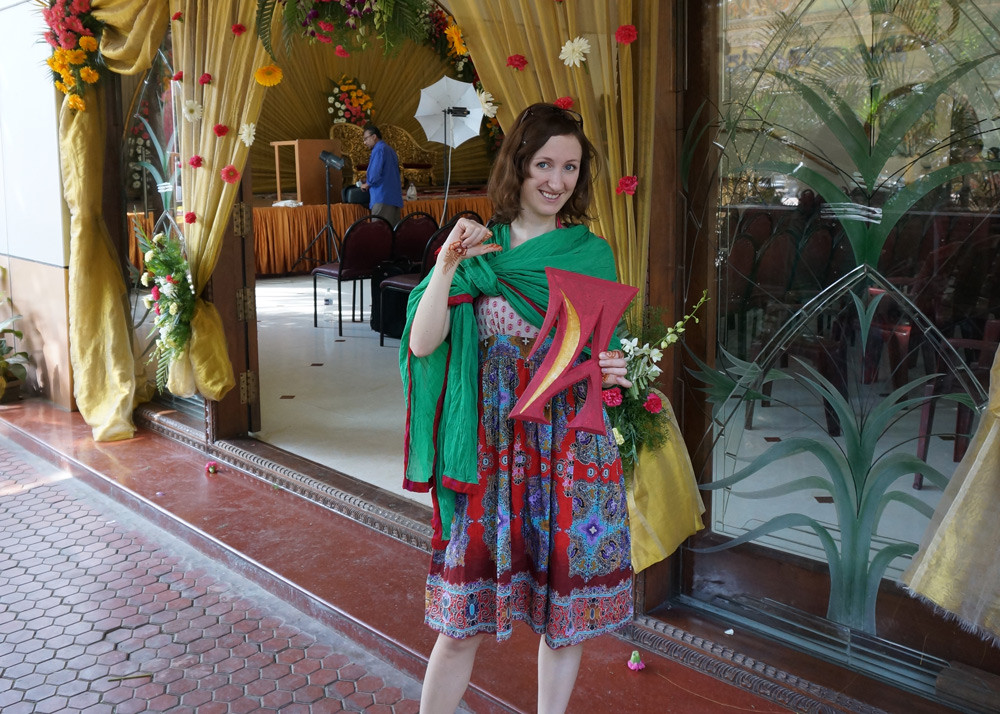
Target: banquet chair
{"points": [[410, 236], [366, 243], [405, 282]]}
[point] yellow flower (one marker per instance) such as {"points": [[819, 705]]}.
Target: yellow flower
{"points": [[619, 439], [268, 75], [76, 102], [62, 87], [88, 43], [68, 79], [89, 75], [76, 56], [455, 40]]}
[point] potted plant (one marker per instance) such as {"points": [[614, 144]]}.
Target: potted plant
{"points": [[12, 363]]}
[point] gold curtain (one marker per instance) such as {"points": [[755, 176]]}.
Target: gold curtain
{"points": [[99, 330], [297, 108], [204, 42], [605, 91], [956, 567]]}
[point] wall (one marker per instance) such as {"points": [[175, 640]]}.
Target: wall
{"points": [[34, 237]]}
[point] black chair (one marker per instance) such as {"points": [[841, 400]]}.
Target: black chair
{"points": [[405, 282], [366, 243], [411, 235], [464, 214]]}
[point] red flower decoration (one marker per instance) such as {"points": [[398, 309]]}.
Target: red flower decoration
{"points": [[155, 292], [326, 26], [196, 161], [340, 51], [653, 404], [324, 39], [229, 174], [205, 79], [627, 184], [211, 467], [178, 16], [239, 29], [171, 279], [156, 307], [564, 102], [612, 397], [178, 75], [626, 34], [189, 217], [221, 130], [518, 62]]}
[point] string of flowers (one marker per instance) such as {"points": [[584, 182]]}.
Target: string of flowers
{"points": [[350, 102], [171, 298], [74, 34], [636, 414]]}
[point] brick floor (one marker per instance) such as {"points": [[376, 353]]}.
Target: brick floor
{"points": [[99, 612]]}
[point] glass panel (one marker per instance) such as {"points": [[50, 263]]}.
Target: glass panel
{"points": [[858, 273]]}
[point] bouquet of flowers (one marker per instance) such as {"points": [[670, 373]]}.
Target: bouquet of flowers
{"points": [[171, 297], [636, 413], [350, 102], [74, 34]]}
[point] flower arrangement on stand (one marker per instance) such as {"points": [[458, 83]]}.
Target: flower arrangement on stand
{"points": [[445, 36], [350, 102], [74, 34], [171, 298], [636, 413]]}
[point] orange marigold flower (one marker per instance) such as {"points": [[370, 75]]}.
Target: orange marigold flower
{"points": [[76, 102], [76, 56], [89, 75], [268, 75], [88, 43]]}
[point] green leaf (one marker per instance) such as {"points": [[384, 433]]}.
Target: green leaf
{"points": [[907, 499], [153, 171], [265, 17], [875, 573], [807, 483], [866, 315], [690, 143]]}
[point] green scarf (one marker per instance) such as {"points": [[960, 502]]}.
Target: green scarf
{"points": [[442, 389]]}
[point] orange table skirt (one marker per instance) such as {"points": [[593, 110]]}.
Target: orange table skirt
{"points": [[281, 234]]}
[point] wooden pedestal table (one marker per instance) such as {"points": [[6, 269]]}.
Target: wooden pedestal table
{"points": [[310, 171]]}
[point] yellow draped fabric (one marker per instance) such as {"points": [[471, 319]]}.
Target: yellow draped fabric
{"points": [[957, 567], [99, 330], [297, 108], [204, 42], [604, 91], [664, 504]]}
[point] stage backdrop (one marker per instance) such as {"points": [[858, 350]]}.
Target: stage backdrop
{"points": [[297, 108]]}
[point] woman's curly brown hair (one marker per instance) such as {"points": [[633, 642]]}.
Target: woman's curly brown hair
{"points": [[535, 126]]}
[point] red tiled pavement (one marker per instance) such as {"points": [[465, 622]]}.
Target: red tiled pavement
{"points": [[97, 617]]}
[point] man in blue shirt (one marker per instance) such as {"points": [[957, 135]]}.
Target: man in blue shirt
{"points": [[383, 180]]}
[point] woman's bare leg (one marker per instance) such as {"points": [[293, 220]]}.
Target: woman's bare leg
{"points": [[448, 671], [556, 676]]}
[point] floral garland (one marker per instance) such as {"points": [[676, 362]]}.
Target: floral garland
{"points": [[636, 414], [171, 298], [350, 102], [74, 34]]}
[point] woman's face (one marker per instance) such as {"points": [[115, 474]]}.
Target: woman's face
{"points": [[552, 175]]}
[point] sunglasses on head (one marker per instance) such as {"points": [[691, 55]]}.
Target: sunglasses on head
{"points": [[551, 109]]}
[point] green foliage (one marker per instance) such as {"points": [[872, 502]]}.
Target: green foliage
{"points": [[12, 362]]}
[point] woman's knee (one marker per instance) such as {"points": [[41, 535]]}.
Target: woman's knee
{"points": [[458, 647]]}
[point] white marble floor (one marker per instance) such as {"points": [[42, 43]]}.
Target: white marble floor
{"points": [[334, 400]]}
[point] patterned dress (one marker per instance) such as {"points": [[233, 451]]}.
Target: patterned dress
{"points": [[545, 539]]}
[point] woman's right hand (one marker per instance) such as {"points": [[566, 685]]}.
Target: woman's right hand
{"points": [[466, 240]]}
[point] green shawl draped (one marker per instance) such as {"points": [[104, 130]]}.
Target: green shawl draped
{"points": [[442, 389]]}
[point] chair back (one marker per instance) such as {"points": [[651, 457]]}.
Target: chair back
{"points": [[464, 214], [366, 243], [431, 249], [411, 235]]}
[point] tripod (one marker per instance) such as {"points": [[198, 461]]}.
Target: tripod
{"points": [[332, 252]]}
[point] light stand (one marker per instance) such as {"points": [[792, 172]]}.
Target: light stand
{"points": [[330, 161], [449, 112]]}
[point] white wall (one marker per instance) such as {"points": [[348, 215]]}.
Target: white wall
{"points": [[32, 224]]}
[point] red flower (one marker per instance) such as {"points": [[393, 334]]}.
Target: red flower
{"points": [[221, 130], [518, 62], [196, 161], [326, 26], [178, 76], [229, 174], [612, 397], [324, 39], [564, 102], [205, 79], [189, 217], [211, 467], [239, 29], [627, 184], [156, 308], [341, 52], [155, 292], [653, 404], [626, 34], [170, 279], [178, 16]]}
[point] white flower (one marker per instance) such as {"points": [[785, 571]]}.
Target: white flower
{"points": [[330, 109], [629, 345], [619, 439], [329, 100], [655, 355], [144, 280], [168, 289], [148, 256], [247, 133], [574, 52], [173, 308], [489, 108], [669, 339], [192, 110], [148, 302]]}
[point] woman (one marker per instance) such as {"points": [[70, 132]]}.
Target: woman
{"points": [[530, 519]]}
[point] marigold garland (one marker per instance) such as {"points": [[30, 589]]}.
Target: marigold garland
{"points": [[75, 60]]}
